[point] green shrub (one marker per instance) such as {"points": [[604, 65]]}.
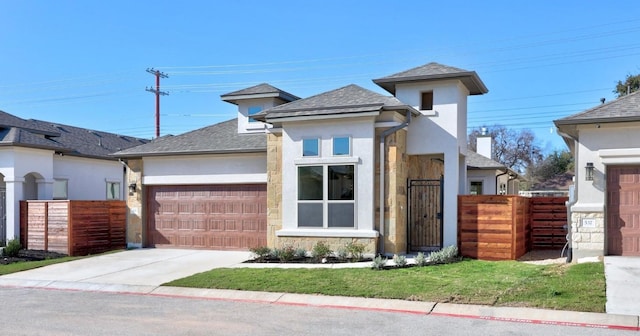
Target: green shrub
{"points": [[286, 253], [421, 260], [356, 250], [12, 248], [400, 260], [342, 253], [447, 255], [379, 263], [260, 253], [320, 251], [300, 253]]}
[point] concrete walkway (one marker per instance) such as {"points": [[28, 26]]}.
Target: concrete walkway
{"points": [[141, 272], [623, 284]]}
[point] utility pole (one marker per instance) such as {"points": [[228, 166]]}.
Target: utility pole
{"points": [[158, 93]]}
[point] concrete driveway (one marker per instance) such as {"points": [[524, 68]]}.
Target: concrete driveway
{"points": [[140, 270], [623, 285]]}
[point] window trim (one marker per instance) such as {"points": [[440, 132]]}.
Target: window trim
{"points": [[66, 188], [428, 107], [249, 114], [333, 145], [477, 182], [118, 195], [318, 153]]}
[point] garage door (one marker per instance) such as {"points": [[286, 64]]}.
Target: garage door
{"points": [[225, 217], [623, 210]]}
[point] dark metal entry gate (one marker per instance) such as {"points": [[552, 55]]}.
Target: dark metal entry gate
{"points": [[425, 215]]}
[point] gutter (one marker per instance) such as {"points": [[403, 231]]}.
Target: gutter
{"points": [[498, 186], [383, 136]]}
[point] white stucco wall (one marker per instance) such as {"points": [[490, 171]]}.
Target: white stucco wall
{"points": [[206, 169], [244, 126], [362, 133], [487, 177], [87, 178]]}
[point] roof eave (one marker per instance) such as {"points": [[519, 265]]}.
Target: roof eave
{"points": [[182, 153], [595, 120], [469, 78]]}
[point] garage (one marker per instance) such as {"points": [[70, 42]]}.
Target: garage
{"points": [[623, 210], [220, 217]]}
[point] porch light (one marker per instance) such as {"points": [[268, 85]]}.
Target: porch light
{"points": [[132, 188], [588, 172]]}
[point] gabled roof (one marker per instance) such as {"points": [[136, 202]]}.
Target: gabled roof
{"points": [[215, 139], [431, 72], [477, 161], [263, 90], [69, 140], [625, 108], [349, 99]]}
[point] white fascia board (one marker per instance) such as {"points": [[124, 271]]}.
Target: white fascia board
{"points": [[205, 179], [327, 160], [341, 233], [620, 156], [325, 117]]}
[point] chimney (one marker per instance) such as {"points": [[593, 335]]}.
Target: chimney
{"points": [[484, 144]]}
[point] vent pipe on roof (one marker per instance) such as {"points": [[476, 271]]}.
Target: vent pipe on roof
{"points": [[602, 100]]}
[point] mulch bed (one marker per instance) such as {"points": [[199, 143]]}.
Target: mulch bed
{"points": [[306, 260], [31, 255]]}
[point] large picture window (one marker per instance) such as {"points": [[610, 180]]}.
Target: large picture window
{"points": [[326, 196]]}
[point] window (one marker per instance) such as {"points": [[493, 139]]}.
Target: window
{"points": [[254, 110], [60, 189], [326, 196], [426, 101], [310, 147], [113, 190], [341, 146], [476, 188]]}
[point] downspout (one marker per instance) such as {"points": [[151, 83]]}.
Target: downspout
{"points": [[497, 177], [383, 136]]}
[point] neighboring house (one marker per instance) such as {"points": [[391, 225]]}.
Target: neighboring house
{"points": [[489, 177], [605, 142], [290, 171], [41, 160]]}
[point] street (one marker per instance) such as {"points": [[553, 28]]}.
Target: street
{"points": [[28, 311]]}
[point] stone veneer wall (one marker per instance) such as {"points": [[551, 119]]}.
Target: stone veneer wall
{"points": [[274, 188], [135, 217], [396, 173], [335, 243], [587, 241]]}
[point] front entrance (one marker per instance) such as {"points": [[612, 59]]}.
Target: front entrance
{"points": [[623, 210], [425, 215]]}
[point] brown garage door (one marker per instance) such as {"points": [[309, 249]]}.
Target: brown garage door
{"points": [[623, 210], [225, 217]]}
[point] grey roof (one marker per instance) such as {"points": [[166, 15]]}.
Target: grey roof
{"points": [[263, 90], [345, 100], [625, 108], [215, 139], [475, 160], [69, 140], [431, 72]]}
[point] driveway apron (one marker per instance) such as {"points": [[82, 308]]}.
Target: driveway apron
{"points": [[623, 284], [138, 270]]}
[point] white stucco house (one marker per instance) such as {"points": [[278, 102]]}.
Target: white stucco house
{"points": [[42, 160], [486, 176], [605, 142], [345, 165]]}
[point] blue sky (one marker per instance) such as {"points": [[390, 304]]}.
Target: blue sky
{"points": [[83, 63]]}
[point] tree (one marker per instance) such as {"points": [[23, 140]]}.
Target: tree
{"points": [[514, 149], [556, 163], [631, 84]]}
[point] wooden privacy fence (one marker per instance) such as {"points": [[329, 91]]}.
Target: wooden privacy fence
{"points": [[494, 227], [73, 227]]}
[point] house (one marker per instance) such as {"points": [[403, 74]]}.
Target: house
{"points": [[291, 171], [41, 160], [605, 213], [486, 176]]}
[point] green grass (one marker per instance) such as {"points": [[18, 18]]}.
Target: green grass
{"points": [[579, 287], [27, 265]]}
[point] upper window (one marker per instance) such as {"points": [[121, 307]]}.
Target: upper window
{"points": [[310, 147], [476, 188], [341, 146], [254, 110], [60, 189], [426, 101], [113, 190], [326, 196]]}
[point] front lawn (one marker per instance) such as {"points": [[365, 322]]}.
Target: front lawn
{"points": [[27, 265], [579, 287]]}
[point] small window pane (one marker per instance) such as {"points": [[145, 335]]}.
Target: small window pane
{"points": [[254, 110], [426, 102], [310, 214], [310, 183], [476, 188], [341, 215], [310, 147], [341, 182], [60, 189], [113, 190], [341, 146]]}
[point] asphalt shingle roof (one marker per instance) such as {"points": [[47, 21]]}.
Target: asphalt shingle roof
{"points": [[475, 160], [348, 99], [263, 89], [70, 140], [625, 108], [434, 71], [215, 139]]}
